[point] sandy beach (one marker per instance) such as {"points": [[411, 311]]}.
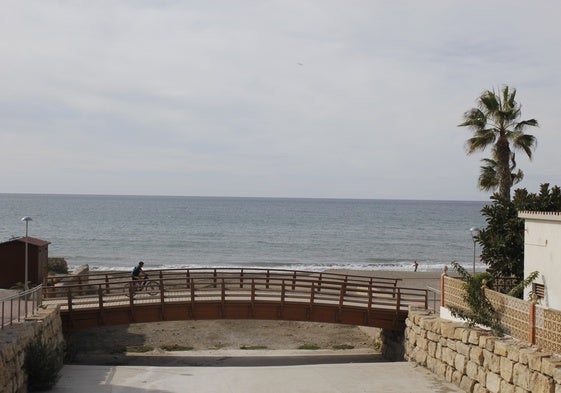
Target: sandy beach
{"points": [[409, 279], [109, 345]]}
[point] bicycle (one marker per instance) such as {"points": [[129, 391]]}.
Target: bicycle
{"points": [[150, 286]]}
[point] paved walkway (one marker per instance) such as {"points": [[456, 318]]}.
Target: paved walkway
{"points": [[316, 377]]}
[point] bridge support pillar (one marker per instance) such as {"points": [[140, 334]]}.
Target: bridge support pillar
{"points": [[393, 345]]}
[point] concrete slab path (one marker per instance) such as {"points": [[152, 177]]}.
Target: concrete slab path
{"points": [[398, 377]]}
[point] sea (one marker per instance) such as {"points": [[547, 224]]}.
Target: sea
{"points": [[115, 232]]}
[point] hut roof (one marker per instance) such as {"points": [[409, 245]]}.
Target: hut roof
{"points": [[30, 240]]}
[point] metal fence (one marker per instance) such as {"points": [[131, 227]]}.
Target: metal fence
{"points": [[433, 302], [17, 307], [521, 319]]}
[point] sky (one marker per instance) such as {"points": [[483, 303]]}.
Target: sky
{"points": [[327, 99]]}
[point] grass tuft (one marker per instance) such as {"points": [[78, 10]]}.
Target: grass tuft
{"points": [[176, 347], [311, 347], [343, 346], [252, 347], [139, 348]]}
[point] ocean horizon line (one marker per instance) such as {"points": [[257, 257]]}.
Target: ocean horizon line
{"points": [[295, 198]]}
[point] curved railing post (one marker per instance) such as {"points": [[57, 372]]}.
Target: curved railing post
{"points": [[100, 296], [131, 293], [162, 289], [80, 285], [342, 292], [100, 301], [69, 303], [283, 292], [252, 299], [398, 302], [192, 285]]}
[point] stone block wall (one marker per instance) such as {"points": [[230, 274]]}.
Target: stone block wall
{"points": [[14, 339], [477, 361]]}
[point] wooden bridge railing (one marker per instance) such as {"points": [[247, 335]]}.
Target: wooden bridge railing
{"points": [[243, 273], [226, 286]]}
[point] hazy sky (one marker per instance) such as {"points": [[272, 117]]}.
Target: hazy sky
{"points": [[345, 99]]}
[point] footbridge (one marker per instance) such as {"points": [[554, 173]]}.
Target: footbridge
{"points": [[99, 299]]}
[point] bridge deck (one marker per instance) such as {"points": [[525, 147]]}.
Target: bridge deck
{"points": [[175, 294]]}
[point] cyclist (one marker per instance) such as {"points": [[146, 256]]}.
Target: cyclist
{"points": [[136, 272]]}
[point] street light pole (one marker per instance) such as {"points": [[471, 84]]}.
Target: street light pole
{"points": [[26, 219], [474, 233]]}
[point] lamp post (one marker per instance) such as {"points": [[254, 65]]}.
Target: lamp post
{"points": [[26, 219], [474, 233]]}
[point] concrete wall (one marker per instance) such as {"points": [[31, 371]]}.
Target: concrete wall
{"points": [[542, 252], [14, 340], [477, 361]]}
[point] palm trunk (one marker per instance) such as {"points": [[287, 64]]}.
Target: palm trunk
{"points": [[503, 167]]}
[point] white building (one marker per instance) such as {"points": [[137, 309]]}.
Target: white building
{"points": [[542, 253]]}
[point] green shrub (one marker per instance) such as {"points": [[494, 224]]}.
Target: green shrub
{"points": [[312, 347], [139, 348], [481, 311], [343, 346], [42, 365], [175, 347]]}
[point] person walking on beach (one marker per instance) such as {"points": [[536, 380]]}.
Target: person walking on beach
{"points": [[415, 265]]}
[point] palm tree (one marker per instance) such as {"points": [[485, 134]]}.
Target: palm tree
{"points": [[495, 123], [488, 179]]}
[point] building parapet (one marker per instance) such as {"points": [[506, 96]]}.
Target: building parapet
{"points": [[538, 215]]}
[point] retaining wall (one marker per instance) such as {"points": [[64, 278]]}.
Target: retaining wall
{"points": [[477, 361], [14, 339]]}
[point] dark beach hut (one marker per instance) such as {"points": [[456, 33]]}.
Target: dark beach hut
{"points": [[12, 261]]}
